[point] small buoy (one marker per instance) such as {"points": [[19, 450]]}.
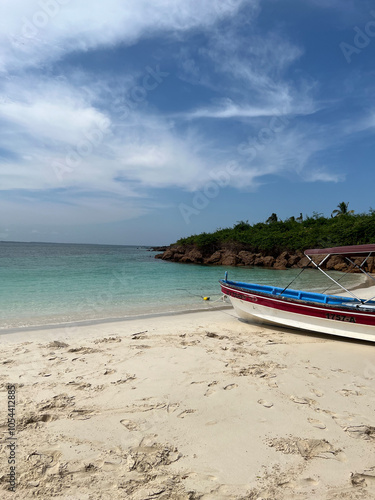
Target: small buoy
{"points": [[206, 298]]}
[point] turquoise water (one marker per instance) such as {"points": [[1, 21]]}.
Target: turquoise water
{"points": [[45, 283]]}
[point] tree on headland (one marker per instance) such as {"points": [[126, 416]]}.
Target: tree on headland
{"points": [[342, 209], [242, 225], [272, 218], [275, 235]]}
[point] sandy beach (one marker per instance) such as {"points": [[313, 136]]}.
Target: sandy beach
{"points": [[188, 406]]}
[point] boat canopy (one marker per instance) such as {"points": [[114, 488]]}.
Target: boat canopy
{"points": [[351, 250], [348, 252]]}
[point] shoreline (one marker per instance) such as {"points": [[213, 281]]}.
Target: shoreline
{"points": [[184, 406], [92, 322], [367, 287]]}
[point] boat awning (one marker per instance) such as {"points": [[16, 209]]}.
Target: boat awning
{"points": [[351, 250]]}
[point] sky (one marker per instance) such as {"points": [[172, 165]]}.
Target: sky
{"points": [[139, 122]]}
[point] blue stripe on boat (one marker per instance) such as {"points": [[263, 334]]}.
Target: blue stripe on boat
{"points": [[320, 298]]}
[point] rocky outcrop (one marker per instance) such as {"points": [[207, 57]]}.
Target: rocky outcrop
{"points": [[194, 256], [246, 258], [233, 254], [282, 261], [215, 258]]}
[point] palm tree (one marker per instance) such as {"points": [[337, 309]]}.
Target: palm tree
{"points": [[342, 209]]}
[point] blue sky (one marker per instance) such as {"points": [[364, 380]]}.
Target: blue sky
{"points": [[143, 121]]}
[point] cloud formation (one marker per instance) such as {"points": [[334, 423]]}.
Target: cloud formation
{"points": [[38, 33], [219, 89]]}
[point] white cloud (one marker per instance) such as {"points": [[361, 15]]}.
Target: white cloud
{"points": [[57, 129], [290, 152], [47, 118], [67, 143], [67, 134], [251, 71], [37, 32], [228, 110], [322, 175]]}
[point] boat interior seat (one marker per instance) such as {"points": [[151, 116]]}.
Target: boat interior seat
{"points": [[366, 306]]}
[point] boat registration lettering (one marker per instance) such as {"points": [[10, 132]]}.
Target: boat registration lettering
{"points": [[341, 317]]}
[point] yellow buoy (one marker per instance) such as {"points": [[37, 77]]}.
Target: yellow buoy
{"points": [[206, 298]]}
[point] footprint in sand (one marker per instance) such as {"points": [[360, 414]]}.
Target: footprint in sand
{"points": [[107, 339], [319, 448], [307, 448], [8, 362], [342, 420], [316, 423], [46, 463], [215, 382], [209, 392], [266, 404], [81, 414], [124, 380], [130, 425], [108, 372], [361, 431], [317, 392], [308, 481], [185, 412], [172, 407], [302, 401], [56, 344], [349, 392], [365, 478], [83, 350], [230, 387], [202, 477], [34, 420]]}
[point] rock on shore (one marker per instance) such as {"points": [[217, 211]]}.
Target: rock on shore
{"points": [[237, 255]]}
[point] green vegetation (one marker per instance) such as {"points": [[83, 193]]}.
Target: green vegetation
{"points": [[296, 233], [342, 209]]}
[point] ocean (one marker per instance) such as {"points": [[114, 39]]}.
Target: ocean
{"points": [[48, 284]]}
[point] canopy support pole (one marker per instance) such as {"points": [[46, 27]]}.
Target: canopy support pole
{"points": [[363, 271], [330, 277]]}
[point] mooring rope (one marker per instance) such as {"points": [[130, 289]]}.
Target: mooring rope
{"points": [[210, 302]]}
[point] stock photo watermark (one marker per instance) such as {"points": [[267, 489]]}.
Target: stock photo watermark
{"points": [[265, 136], [211, 190], [84, 148], [361, 40], [49, 9], [12, 437], [138, 94], [92, 139]]}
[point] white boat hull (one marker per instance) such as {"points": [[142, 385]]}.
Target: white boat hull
{"points": [[253, 310]]}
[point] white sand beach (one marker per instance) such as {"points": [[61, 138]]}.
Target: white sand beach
{"points": [[190, 406]]}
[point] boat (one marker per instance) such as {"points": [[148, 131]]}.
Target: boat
{"points": [[346, 316]]}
